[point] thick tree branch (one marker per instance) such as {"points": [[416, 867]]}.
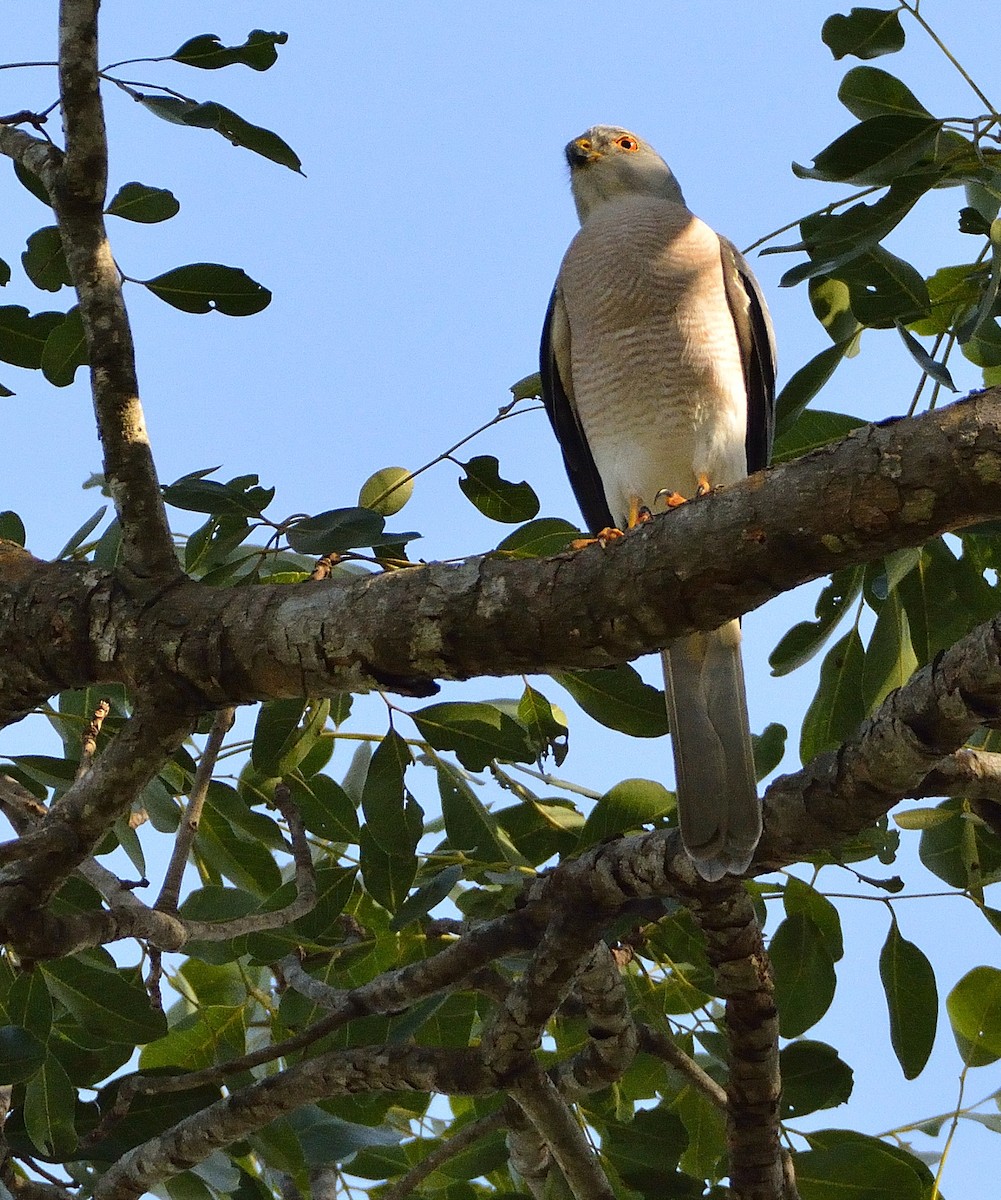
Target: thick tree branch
{"points": [[77, 195], [882, 488]]}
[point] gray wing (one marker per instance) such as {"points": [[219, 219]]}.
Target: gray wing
{"points": [[756, 338], [557, 396]]}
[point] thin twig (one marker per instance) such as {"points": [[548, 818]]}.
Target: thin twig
{"points": [[448, 1149]]}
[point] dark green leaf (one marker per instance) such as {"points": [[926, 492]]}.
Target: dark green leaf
{"points": [[23, 337], [227, 123], [864, 1168], [342, 529], [546, 726], [769, 747], [931, 367], [112, 1003], [325, 808], [944, 598], [813, 428], [49, 1107], [426, 897], [626, 807], [4, 273], [29, 1005], [387, 877], [384, 798], [280, 741], [804, 974], [540, 829], [12, 527], [912, 1001], [813, 1077], [81, 535], [229, 852], [472, 829], [44, 262], [646, 1151], [802, 642], [875, 151], [864, 33], [889, 658], [240, 497], [974, 1007], [805, 383], [871, 92], [207, 52], [21, 1054], [497, 498], [65, 350], [539, 539], [144, 204], [983, 345], [960, 850], [28, 179], [387, 490], [800, 897], [208, 287], [211, 1035], [884, 289], [477, 732], [838, 706], [618, 698]]}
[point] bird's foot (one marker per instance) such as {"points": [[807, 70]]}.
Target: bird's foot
{"points": [[610, 534]]}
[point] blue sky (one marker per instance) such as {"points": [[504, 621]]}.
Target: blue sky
{"points": [[411, 267]]}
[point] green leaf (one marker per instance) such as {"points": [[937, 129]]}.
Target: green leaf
{"points": [[944, 597], [213, 1034], [619, 699], [912, 1001], [426, 897], [541, 538], [259, 51], [223, 847], [29, 1005], [280, 741], [626, 807], [29, 180], [830, 301], [65, 350], [884, 289], [875, 151], [849, 1164], [21, 1054], [208, 287], [229, 124], [646, 1151], [44, 262], [239, 497], [953, 293], [813, 1077], [805, 383], [546, 725], [388, 816], [387, 877], [804, 974], [23, 337], [81, 535], [974, 1008], [387, 490], [983, 345], [529, 388], [325, 808], [110, 1003], [705, 1155], [931, 367], [4, 273], [49, 1109], [472, 829], [341, 529], [144, 204], [497, 498], [12, 527], [812, 429], [871, 92], [800, 897], [889, 658], [838, 707], [864, 33], [768, 747], [801, 643], [960, 850], [477, 732]]}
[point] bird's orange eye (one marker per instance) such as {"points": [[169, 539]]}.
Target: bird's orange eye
{"points": [[627, 143]]}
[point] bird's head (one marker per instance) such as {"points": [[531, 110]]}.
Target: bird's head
{"points": [[608, 163]]}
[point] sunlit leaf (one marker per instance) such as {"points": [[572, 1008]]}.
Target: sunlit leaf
{"points": [[625, 807], [386, 491], [889, 658], [812, 429], [974, 1007], [541, 538]]}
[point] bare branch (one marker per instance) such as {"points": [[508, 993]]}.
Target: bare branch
{"points": [[77, 194], [550, 1115], [450, 1148], [661, 1045], [171, 889]]}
